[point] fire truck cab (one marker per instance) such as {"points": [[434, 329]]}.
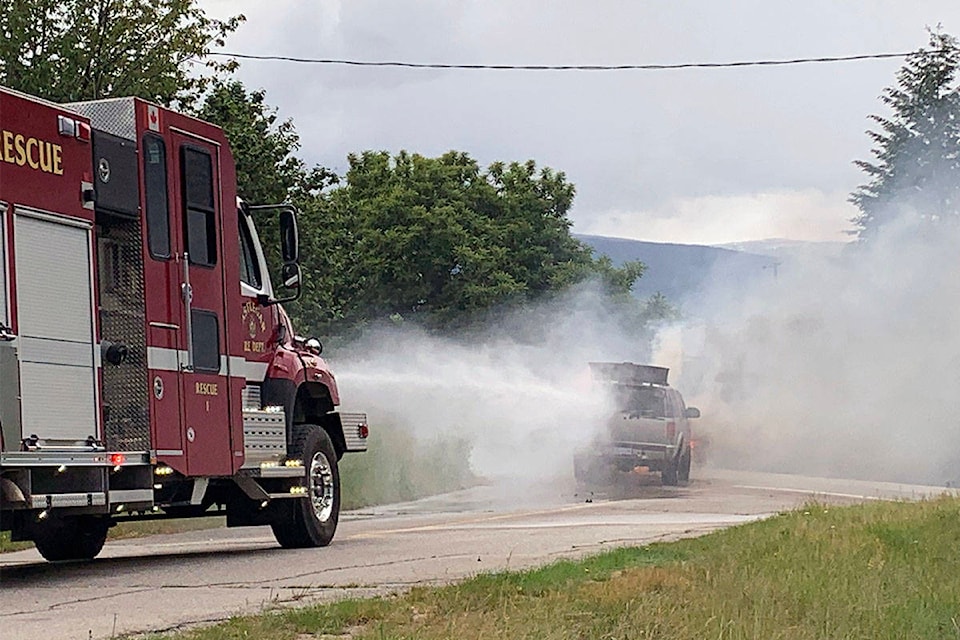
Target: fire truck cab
{"points": [[147, 368]]}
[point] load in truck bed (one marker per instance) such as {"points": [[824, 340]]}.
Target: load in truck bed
{"points": [[629, 373]]}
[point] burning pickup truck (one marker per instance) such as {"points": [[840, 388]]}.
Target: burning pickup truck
{"points": [[649, 427]]}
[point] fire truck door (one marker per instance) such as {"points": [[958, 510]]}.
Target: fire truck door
{"points": [[203, 376]]}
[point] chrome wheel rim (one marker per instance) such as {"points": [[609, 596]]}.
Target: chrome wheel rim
{"points": [[321, 486]]}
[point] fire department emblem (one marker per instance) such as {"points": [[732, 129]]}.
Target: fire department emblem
{"points": [[253, 319]]}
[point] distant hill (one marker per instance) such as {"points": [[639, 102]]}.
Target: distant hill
{"points": [[683, 272], [788, 250]]}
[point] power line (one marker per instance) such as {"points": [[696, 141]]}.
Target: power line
{"points": [[566, 67]]}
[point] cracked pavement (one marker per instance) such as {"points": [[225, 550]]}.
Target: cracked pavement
{"points": [[168, 582]]}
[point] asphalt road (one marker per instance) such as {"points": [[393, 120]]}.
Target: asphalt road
{"points": [[171, 581]]}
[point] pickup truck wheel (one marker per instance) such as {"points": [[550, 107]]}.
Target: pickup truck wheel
{"points": [[312, 520], [581, 466], [591, 471], [684, 472], [668, 475], [77, 538]]}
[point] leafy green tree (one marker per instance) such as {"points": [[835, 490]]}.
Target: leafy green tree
{"points": [[916, 172], [70, 50], [657, 308], [617, 282], [440, 241], [421, 245]]}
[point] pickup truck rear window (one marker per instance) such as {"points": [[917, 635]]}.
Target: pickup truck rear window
{"points": [[648, 402]]}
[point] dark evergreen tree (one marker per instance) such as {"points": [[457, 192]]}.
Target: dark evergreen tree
{"points": [[916, 171]]}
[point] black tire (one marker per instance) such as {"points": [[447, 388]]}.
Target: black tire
{"points": [[592, 471], [668, 475], [311, 521], [683, 473], [77, 538]]}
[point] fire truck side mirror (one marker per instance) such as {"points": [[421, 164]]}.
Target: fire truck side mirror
{"points": [[289, 240], [291, 275]]}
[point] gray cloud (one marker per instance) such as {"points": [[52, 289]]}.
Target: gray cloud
{"points": [[631, 141]]}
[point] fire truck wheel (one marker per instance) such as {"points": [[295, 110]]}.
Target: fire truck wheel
{"points": [[311, 521], [78, 538]]}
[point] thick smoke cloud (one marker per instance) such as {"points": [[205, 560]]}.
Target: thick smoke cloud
{"points": [[518, 391], [844, 365]]}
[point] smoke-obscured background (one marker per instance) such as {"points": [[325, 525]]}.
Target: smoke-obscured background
{"points": [[847, 365], [513, 398], [838, 360], [841, 364]]}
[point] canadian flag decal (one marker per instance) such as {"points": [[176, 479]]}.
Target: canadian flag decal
{"points": [[153, 117]]}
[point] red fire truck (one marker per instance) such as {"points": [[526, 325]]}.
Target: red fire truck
{"points": [[147, 368]]}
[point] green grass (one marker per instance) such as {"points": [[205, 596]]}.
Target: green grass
{"points": [[881, 570], [398, 467], [6, 545], [153, 527]]}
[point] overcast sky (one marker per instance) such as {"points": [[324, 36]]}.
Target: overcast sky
{"points": [[690, 156]]}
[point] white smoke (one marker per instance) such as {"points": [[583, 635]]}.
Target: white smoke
{"points": [[840, 364], [846, 365], [519, 391]]}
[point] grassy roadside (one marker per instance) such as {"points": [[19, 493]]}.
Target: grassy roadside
{"points": [[881, 570], [399, 467]]}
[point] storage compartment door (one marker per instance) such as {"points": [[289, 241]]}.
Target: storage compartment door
{"points": [[58, 375], [9, 367]]}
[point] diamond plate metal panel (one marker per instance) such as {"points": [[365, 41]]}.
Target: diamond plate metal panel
{"points": [[122, 320], [115, 115]]}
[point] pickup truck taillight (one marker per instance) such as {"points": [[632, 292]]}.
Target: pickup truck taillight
{"points": [[671, 431]]}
